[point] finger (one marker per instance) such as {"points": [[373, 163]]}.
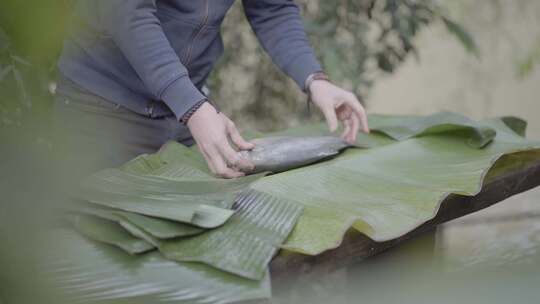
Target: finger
{"points": [[331, 118], [359, 111], [234, 159], [221, 169], [209, 157], [364, 123], [229, 173], [237, 139], [355, 125], [346, 129]]}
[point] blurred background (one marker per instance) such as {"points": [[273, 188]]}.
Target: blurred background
{"points": [[401, 56], [477, 57]]}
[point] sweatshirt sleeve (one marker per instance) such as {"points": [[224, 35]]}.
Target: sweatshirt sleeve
{"points": [[137, 31], [278, 26]]}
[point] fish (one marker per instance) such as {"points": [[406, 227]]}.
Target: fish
{"points": [[282, 153]]}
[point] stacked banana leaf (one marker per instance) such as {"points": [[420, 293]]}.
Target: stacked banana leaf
{"points": [[185, 214], [183, 236]]}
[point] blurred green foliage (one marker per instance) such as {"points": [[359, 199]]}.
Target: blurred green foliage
{"points": [[31, 34], [356, 40], [527, 65]]}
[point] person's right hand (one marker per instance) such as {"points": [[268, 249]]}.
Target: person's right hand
{"points": [[212, 131]]}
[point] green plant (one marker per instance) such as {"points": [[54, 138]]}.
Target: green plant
{"points": [[358, 38]]}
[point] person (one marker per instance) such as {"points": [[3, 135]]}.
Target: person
{"points": [[132, 72]]}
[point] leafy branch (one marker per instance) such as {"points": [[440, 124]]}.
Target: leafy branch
{"points": [[382, 32]]}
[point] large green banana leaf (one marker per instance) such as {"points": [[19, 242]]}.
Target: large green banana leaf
{"points": [[89, 272], [387, 191], [376, 190]]}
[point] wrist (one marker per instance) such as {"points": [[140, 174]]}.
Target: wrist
{"points": [[191, 112], [316, 77], [318, 86]]}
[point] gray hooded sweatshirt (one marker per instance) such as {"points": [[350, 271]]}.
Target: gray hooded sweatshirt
{"points": [[136, 53]]}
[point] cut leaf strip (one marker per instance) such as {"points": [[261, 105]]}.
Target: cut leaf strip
{"points": [[158, 228], [109, 232], [185, 209], [200, 203]]}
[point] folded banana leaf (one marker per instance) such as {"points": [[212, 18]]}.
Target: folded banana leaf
{"points": [[113, 220], [200, 202], [387, 191], [162, 229], [158, 228], [182, 208], [109, 232], [88, 272], [404, 127]]}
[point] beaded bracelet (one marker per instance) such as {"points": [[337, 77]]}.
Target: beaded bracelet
{"points": [[309, 81], [313, 77], [185, 118]]}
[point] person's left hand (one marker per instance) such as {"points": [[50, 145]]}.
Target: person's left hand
{"points": [[338, 104]]}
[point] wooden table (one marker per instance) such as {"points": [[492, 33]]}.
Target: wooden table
{"points": [[504, 182]]}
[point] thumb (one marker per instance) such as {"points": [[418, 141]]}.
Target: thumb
{"points": [[331, 118]]}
